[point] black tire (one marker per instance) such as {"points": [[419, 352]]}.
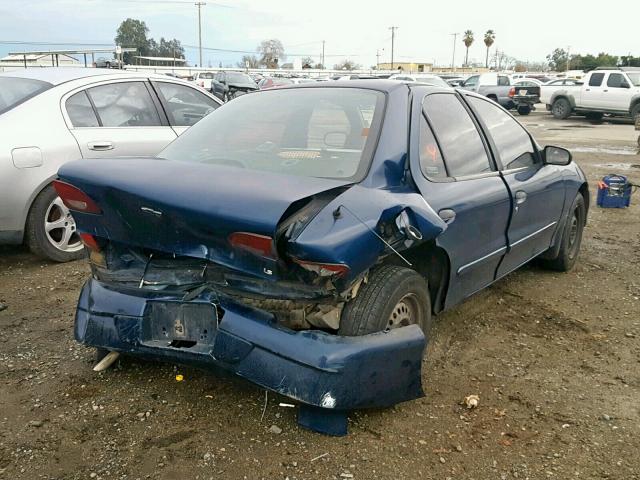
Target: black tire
{"points": [[571, 238], [595, 116], [39, 240], [392, 297], [635, 112], [561, 108], [524, 109]]}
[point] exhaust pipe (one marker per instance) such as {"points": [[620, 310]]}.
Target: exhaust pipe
{"points": [[106, 362]]}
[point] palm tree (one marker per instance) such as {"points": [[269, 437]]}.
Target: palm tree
{"points": [[468, 40], [489, 38]]}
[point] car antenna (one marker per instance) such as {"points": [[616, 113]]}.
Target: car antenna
{"points": [[336, 214]]}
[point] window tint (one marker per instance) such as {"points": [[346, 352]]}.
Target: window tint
{"points": [[596, 79], [616, 80], [184, 105], [80, 111], [503, 81], [125, 104], [457, 135], [431, 162], [512, 141]]}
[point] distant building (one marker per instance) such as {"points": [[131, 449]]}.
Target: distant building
{"points": [[39, 60], [407, 67]]}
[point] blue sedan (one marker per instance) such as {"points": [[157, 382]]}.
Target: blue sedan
{"points": [[303, 238]]}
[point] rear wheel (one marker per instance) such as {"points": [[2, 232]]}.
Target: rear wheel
{"points": [[524, 109], [635, 113], [393, 297], [561, 108], [51, 230], [571, 238]]}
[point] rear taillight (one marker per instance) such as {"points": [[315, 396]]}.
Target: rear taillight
{"points": [[75, 199], [96, 256], [324, 269], [512, 92], [259, 245]]}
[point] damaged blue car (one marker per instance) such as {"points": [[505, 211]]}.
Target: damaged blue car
{"points": [[303, 238]]}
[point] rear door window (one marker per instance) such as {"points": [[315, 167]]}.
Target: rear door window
{"points": [[510, 138], [461, 144], [124, 104], [431, 162], [596, 79], [80, 111]]}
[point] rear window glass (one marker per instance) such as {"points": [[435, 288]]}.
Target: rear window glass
{"points": [[315, 132], [596, 79], [14, 91]]}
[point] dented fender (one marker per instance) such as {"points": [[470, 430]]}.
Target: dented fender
{"points": [[342, 231]]}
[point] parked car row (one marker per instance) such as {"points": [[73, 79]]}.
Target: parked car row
{"points": [[499, 88]]}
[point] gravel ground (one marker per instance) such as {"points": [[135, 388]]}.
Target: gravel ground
{"points": [[554, 359]]}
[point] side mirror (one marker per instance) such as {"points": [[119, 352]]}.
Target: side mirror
{"points": [[557, 156]]}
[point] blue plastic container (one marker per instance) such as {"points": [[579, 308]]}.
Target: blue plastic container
{"points": [[614, 191]]}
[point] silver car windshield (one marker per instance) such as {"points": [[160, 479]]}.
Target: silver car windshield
{"points": [[14, 91], [314, 132]]}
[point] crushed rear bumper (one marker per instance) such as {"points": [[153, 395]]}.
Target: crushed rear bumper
{"points": [[312, 367]]}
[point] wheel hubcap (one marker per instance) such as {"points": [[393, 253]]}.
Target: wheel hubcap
{"points": [[573, 234], [406, 312], [60, 227]]}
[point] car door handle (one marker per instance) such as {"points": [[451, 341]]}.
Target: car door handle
{"points": [[447, 215], [99, 146]]}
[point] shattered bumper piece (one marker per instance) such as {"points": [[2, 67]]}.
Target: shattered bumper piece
{"points": [[330, 372]]}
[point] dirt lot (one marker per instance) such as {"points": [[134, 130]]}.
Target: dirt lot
{"points": [[553, 357]]}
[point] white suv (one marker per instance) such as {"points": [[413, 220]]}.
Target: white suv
{"points": [[614, 91]]}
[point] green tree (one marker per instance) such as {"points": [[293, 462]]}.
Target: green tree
{"points": [[271, 53], [166, 48], [489, 38], [558, 60], [629, 61], [132, 33], [467, 39]]}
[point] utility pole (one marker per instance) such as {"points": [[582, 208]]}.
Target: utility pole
{"points": [[377, 59], [322, 54], [453, 58], [393, 37], [568, 56], [199, 5]]}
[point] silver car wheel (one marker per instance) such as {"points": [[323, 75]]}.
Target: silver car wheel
{"points": [[60, 227], [404, 313]]}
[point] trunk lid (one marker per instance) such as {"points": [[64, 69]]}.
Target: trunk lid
{"points": [[189, 209]]}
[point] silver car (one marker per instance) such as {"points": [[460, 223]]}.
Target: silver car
{"points": [[49, 116]]}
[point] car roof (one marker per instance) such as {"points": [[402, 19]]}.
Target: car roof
{"points": [[60, 75]]}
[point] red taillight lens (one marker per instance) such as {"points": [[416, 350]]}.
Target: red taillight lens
{"points": [[75, 199], [260, 245], [324, 269], [90, 242], [512, 92]]}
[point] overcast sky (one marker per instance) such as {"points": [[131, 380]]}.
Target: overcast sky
{"points": [[352, 29]]}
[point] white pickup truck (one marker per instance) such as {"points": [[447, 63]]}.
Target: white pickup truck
{"points": [[614, 91]]}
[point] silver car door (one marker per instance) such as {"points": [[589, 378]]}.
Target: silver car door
{"points": [[117, 119]]}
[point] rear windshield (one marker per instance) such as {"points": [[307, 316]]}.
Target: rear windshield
{"points": [[14, 91], [205, 75], [311, 132]]}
